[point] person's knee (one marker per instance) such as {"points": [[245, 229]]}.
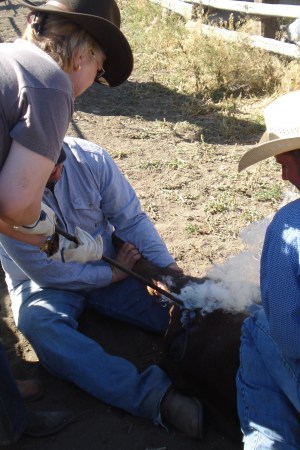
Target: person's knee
{"points": [[260, 319], [27, 321], [248, 331], [33, 320]]}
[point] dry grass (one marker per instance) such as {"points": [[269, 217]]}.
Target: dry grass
{"points": [[209, 97], [208, 68]]}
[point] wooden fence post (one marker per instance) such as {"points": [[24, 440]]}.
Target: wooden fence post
{"points": [[267, 26]]}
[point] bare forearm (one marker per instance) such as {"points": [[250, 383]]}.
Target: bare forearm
{"points": [[22, 183], [9, 231]]}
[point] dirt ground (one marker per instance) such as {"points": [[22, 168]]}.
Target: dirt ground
{"points": [[183, 168]]}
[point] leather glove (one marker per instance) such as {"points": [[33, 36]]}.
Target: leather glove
{"points": [[87, 249], [44, 225]]}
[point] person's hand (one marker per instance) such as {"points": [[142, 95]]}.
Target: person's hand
{"points": [[127, 256], [87, 249], [174, 267], [45, 225]]}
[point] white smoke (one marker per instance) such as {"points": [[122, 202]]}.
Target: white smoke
{"points": [[234, 285]]}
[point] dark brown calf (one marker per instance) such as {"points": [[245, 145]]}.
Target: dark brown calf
{"points": [[201, 357]]}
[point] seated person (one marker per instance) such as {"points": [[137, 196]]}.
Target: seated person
{"points": [[48, 296], [268, 384]]}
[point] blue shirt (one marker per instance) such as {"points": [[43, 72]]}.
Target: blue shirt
{"points": [[93, 194], [280, 278]]}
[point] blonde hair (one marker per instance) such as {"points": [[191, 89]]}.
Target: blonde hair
{"points": [[62, 39]]}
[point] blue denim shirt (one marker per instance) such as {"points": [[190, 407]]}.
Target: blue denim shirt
{"points": [[93, 194], [280, 279]]}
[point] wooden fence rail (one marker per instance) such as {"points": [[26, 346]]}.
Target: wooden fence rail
{"points": [[191, 9]]}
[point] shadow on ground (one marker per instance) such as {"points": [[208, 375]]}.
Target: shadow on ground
{"points": [[154, 102]]}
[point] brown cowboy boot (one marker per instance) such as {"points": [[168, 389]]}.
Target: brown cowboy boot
{"points": [[40, 424], [183, 412]]}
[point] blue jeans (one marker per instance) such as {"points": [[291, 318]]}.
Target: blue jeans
{"points": [[49, 319], [267, 390], [13, 412]]}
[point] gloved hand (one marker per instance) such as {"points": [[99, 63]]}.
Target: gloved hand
{"points": [[87, 249], [44, 225]]}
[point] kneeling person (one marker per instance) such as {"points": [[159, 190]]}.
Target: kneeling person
{"points": [[268, 377]]}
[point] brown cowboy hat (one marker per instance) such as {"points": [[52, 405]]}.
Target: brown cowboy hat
{"points": [[101, 19]]}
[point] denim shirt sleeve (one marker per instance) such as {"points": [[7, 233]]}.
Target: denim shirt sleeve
{"points": [[280, 279], [22, 262], [122, 208]]}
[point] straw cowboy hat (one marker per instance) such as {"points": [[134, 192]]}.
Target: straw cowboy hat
{"points": [[101, 19], [282, 119]]}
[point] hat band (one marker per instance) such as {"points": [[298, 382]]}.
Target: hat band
{"points": [[58, 5]]}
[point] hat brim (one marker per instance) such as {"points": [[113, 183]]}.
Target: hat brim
{"points": [[119, 59], [267, 149]]}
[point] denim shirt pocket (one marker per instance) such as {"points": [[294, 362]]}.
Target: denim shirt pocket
{"points": [[87, 210]]}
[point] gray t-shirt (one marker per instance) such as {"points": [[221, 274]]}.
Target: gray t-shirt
{"points": [[36, 103]]}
